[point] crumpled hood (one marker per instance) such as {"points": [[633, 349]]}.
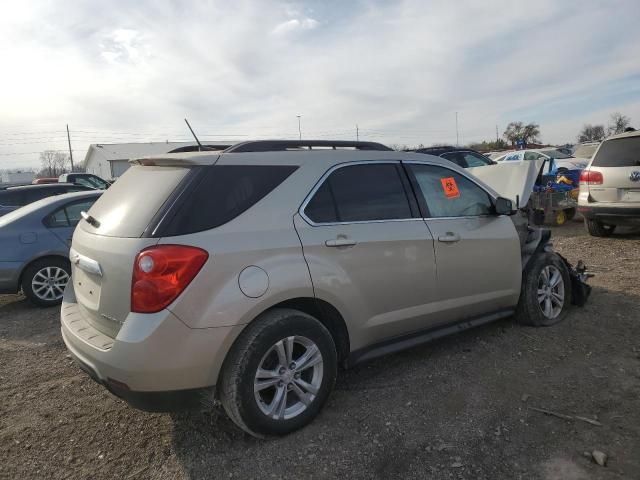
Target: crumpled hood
{"points": [[512, 180]]}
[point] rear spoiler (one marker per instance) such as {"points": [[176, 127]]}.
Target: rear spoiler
{"points": [[178, 160]]}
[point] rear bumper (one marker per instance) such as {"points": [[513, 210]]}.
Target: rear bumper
{"points": [[613, 214], [155, 363], [169, 401]]}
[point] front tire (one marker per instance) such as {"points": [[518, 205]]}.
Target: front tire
{"points": [[279, 373], [546, 291], [43, 281], [598, 229]]}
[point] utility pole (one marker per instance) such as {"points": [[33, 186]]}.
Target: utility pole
{"points": [[70, 151], [457, 137], [357, 133], [299, 127], [497, 137]]}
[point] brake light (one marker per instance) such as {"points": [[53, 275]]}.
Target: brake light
{"points": [[161, 273], [589, 177]]}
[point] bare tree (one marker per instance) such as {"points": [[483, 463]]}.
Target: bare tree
{"points": [[47, 162], [53, 163], [61, 160], [618, 123], [591, 133], [516, 131]]}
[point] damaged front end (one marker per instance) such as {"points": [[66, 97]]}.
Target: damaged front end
{"points": [[534, 241]]}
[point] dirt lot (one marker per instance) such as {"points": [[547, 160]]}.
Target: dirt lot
{"points": [[457, 408]]}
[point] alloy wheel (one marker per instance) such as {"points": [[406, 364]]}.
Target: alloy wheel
{"points": [[551, 291], [48, 283], [288, 378]]}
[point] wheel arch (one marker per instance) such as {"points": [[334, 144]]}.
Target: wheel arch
{"points": [[37, 259], [326, 314]]}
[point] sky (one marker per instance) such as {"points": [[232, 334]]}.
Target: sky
{"points": [[123, 71]]}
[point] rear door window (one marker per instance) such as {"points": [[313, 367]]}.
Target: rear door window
{"points": [[360, 193], [221, 194], [69, 215], [455, 157], [622, 152], [473, 159], [448, 194]]}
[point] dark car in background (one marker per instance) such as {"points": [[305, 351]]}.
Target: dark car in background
{"points": [[85, 179], [34, 246], [464, 157], [14, 197]]}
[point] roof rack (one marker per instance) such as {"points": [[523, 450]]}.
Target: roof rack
{"points": [[283, 145], [196, 148]]}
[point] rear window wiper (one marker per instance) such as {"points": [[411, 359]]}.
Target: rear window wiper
{"points": [[90, 219]]}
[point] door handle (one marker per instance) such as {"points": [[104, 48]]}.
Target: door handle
{"points": [[449, 237], [340, 242]]}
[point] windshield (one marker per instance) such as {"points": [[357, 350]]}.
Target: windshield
{"points": [[585, 151], [91, 182], [556, 154]]}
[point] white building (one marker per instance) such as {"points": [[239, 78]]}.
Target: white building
{"points": [[17, 177], [110, 160]]}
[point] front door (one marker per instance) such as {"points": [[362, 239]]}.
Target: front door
{"points": [[477, 252]]}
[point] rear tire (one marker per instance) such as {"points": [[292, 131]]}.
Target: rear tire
{"points": [[262, 389], [598, 229], [546, 291], [44, 280]]}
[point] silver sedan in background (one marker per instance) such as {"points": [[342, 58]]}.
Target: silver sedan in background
{"points": [[34, 246]]}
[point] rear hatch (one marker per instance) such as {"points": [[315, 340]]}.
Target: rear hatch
{"points": [[106, 243], [618, 160]]}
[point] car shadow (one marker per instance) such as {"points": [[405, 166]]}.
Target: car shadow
{"points": [[405, 409], [203, 438]]}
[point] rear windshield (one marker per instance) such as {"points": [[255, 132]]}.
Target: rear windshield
{"points": [[585, 151], [221, 194], [622, 152], [558, 155], [127, 207], [10, 199]]}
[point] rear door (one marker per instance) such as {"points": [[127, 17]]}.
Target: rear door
{"points": [[477, 252], [619, 162], [368, 251]]}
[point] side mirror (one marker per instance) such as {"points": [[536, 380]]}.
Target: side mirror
{"points": [[503, 206]]}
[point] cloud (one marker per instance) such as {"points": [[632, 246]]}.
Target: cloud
{"points": [[400, 70], [124, 45], [294, 25]]}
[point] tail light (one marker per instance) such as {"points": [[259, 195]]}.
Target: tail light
{"points": [[161, 273], [589, 177]]}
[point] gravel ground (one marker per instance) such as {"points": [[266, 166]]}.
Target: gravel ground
{"points": [[462, 407]]}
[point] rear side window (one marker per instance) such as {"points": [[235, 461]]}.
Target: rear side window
{"points": [[222, 193], [622, 152], [360, 193]]}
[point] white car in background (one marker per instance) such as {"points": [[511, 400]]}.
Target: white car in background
{"points": [[561, 160]]}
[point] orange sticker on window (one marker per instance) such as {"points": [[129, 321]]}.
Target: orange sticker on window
{"points": [[450, 187]]}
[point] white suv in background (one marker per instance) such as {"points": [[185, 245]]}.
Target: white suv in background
{"points": [[610, 185]]}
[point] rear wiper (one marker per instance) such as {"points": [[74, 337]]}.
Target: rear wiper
{"points": [[90, 220]]}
